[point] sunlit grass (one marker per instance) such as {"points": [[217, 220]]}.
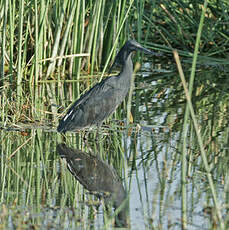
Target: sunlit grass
{"points": [[53, 51]]}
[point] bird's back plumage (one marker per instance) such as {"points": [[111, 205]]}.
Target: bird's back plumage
{"points": [[94, 106]]}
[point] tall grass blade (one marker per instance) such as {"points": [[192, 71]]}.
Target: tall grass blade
{"points": [[186, 123], [200, 142], [19, 65]]}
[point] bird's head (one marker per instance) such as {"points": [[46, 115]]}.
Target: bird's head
{"points": [[127, 49]]}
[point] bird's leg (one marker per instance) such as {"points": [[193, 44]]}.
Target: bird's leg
{"points": [[85, 139], [97, 138], [85, 135]]}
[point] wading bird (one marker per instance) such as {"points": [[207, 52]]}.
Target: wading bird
{"points": [[93, 107]]}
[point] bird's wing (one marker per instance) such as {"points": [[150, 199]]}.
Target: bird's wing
{"points": [[96, 93], [99, 88]]}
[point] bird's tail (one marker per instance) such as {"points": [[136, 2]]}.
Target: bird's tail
{"points": [[61, 127]]}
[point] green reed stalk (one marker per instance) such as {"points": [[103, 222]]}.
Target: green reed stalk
{"points": [[78, 41], [3, 170], [8, 176], [140, 10], [34, 90], [3, 41], [129, 115], [38, 177], [186, 122], [51, 67], [64, 48], [200, 142], [56, 45], [42, 160], [11, 25], [67, 30], [40, 39], [116, 39], [31, 174], [19, 65], [91, 32], [37, 42], [18, 171], [97, 17], [2, 63]]}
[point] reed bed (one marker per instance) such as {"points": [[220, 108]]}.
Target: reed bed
{"points": [[52, 51]]}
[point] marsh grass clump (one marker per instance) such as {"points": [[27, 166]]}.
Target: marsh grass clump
{"points": [[54, 51]]}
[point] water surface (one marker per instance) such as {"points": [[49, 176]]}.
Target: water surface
{"points": [[38, 191]]}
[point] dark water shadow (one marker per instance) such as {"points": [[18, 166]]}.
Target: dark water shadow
{"points": [[98, 178]]}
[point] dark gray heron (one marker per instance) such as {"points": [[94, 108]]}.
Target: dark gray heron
{"points": [[93, 107]]}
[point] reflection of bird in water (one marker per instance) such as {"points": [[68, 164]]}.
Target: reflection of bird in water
{"points": [[97, 177], [101, 101]]}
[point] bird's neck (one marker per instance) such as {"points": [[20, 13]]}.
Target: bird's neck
{"points": [[127, 69]]}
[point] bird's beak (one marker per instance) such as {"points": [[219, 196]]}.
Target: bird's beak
{"points": [[146, 51]]}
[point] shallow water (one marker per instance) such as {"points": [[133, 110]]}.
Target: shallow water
{"points": [[38, 191]]}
